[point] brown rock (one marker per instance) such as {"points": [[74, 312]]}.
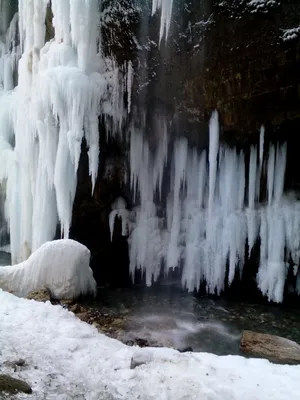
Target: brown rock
{"points": [[41, 295], [12, 385], [117, 323], [67, 303], [76, 309], [274, 348], [83, 316]]}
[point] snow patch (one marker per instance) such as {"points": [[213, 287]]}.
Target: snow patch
{"points": [[68, 359], [63, 266], [290, 34]]}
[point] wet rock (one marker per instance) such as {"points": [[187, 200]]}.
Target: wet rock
{"points": [[41, 295], [11, 385], [67, 303], [76, 309], [83, 316], [185, 349], [117, 323], [274, 348], [142, 342]]}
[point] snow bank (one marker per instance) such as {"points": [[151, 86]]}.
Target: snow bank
{"points": [[68, 359], [61, 265]]}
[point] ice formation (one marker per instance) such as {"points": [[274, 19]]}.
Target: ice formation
{"points": [[63, 266], [211, 210], [166, 13], [194, 210], [63, 86]]}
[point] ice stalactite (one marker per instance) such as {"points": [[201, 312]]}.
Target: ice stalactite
{"points": [[63, 87], [208, 210], [166, 13]]}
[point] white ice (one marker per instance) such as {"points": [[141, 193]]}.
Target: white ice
{"points": [[166, 13], [64, 85], [204, 214], [62, 266]]}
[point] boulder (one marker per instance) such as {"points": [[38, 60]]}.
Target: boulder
{"points": [[41, 295], [274, 348], [12, 385]]}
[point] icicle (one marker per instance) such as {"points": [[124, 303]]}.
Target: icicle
{"points": [[213, 153], [271, 172], [119, 210], [252, 177], [166, 14], [261, 146], [180, 161], [129, 82], [280, 164], [261, 158]]}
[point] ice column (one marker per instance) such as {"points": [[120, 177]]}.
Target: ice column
{"points": [[63, 87]]}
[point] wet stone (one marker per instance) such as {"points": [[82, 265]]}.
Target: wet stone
{"points": [[12, 385]]}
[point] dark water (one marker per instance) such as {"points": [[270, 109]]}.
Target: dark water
{"points": [[4, 258], [170, 317]]}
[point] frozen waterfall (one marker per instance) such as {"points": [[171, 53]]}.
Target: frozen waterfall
{"points": [[63, 86], [203, 222], [203, 212]]}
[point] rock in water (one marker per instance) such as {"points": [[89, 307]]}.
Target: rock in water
{"points": [[274, 348], [12, 385], [42, 295]]}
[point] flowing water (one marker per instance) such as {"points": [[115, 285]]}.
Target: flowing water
{"points": [[172, 318]]}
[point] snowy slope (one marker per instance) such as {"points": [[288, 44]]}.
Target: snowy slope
{"points": [[63, 266], [68, 359]]}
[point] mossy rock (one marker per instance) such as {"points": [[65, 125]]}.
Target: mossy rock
{"points": [[12, 385]]}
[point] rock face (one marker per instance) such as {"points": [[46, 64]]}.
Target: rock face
{"points": [[12, 385], [274, 348]]}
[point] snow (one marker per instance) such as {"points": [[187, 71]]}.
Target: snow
{"points": [[68, 359], [290, 34], [63, 266]]}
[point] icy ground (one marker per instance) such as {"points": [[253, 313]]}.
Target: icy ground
{"points": [[68, 359]]}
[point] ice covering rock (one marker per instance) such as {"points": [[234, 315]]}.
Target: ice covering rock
{"points": [[62, 266]]}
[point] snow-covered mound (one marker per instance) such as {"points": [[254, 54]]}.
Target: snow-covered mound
{"points": [[68, 359], [63, 266]]}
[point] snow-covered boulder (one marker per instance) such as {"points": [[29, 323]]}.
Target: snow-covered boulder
{"points": [[62, 266]]}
